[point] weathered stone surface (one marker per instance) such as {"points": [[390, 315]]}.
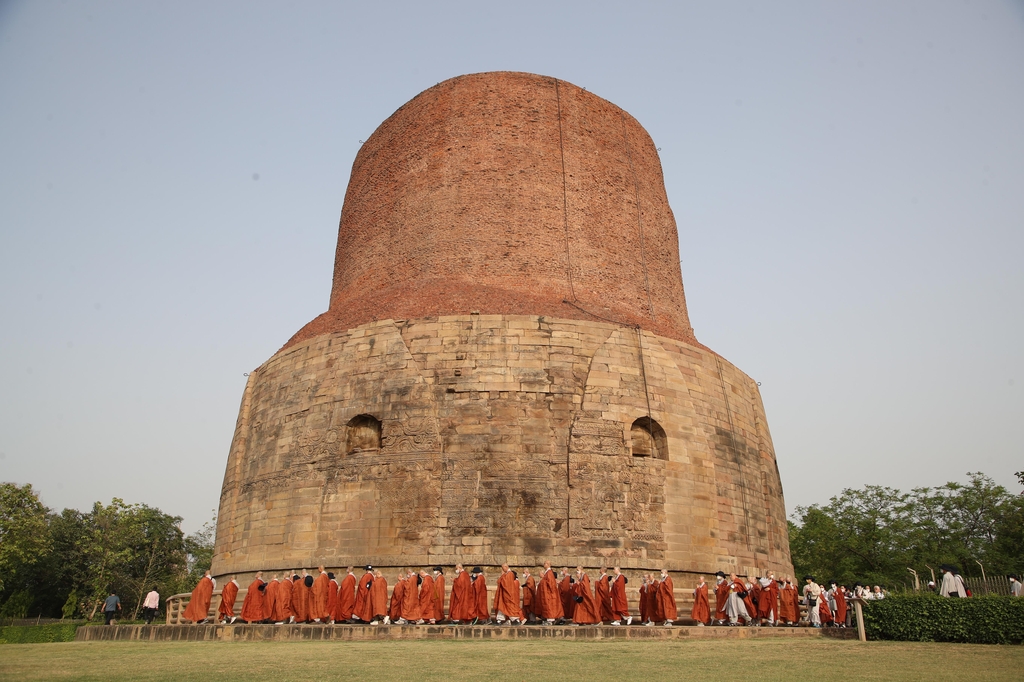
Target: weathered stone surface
{"points": [[506, 372], [500, 461]]}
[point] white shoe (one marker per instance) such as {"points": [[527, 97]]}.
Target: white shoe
{"points": [[233, 619], [615, 622], [387, 620], [374, 622], [649, 624], [420, 622], [668, 623], [401, 621], [629, 620], [700, 625], [280, 622]]}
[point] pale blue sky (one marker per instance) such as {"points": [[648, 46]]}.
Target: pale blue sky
{"points": [[847, 178]]}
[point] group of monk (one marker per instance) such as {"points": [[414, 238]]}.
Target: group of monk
{"points": [[418, 597]]}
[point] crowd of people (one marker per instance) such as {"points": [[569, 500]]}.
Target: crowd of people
{"points": [[419, 597]]}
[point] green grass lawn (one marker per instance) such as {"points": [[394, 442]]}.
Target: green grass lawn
{"points": [[788, 661]]}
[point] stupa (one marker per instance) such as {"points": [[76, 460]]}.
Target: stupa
{"points": [[506, 371]]}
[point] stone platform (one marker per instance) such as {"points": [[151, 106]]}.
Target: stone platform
{"points": [[354, 633]]}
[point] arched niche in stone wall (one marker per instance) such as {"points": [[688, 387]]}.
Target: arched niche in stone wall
{"points": [[648, 439], [362, 434]]}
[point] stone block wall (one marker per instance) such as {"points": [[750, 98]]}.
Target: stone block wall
{"points": [[502, 438]]}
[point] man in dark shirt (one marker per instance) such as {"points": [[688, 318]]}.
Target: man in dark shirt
{"points": [[111, 606]]}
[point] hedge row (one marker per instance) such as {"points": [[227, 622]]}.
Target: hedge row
{"points": [[931, 618], [38, 634]]}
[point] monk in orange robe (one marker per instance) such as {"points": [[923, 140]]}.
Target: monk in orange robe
{"points": [[481, 609], [603, 597], [226, 610], [721, 596], [300, 598], [667, 599], [332, 598], [346, 598], [549, 602], [506, 598], [198, 608], [840, 597], [620, 605], [768, 599], [789, 603], [463, 608], [270, 598], [283, 604], [748, 601], [565, 592], [319, 596], [438, 597], [397, 594], [362, 608], [252, 606], [824, 612], [410, 611], [529, 595], [645, 601], [585, 611], [655, 612], [426, 597], [701, 611], [379, 599]]}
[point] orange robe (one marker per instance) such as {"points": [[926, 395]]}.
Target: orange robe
{"points": [[362, 607], [739, 587], [585, 611], [270, 599], [768, 601], [227, 600], [378, 597], [721, 596], [549, 602], [480, 609], [701, 611], [789, 604], [318, 596], [823, 610], [667, 600], [346, 599], [300, 600], [529, 594], [645, 603], [199, 605], [565, 591], [397, 595], [840, 607], [654, 605], [748, 601], [427, 598], [603, 597], [283, 603], [506, 596], [620, 605], [252, 606], [411, 600], [462, 606], [438, 598], [332, 599]]}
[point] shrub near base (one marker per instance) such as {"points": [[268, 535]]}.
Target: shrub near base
{"points": [[931, 618], [38, 634]]}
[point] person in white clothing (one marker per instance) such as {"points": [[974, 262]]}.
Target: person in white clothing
{"points": [[952, 584], [812, 593], [1015, 586], [150, 606]]}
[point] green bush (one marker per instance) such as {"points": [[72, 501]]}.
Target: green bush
{"points": [[931, 618], [37, 634]]}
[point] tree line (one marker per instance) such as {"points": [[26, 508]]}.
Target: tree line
{"points": [[63, 564], [874, 534]]}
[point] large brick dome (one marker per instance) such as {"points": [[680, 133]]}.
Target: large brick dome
{"points": [[506, 372], [507, 193]]}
